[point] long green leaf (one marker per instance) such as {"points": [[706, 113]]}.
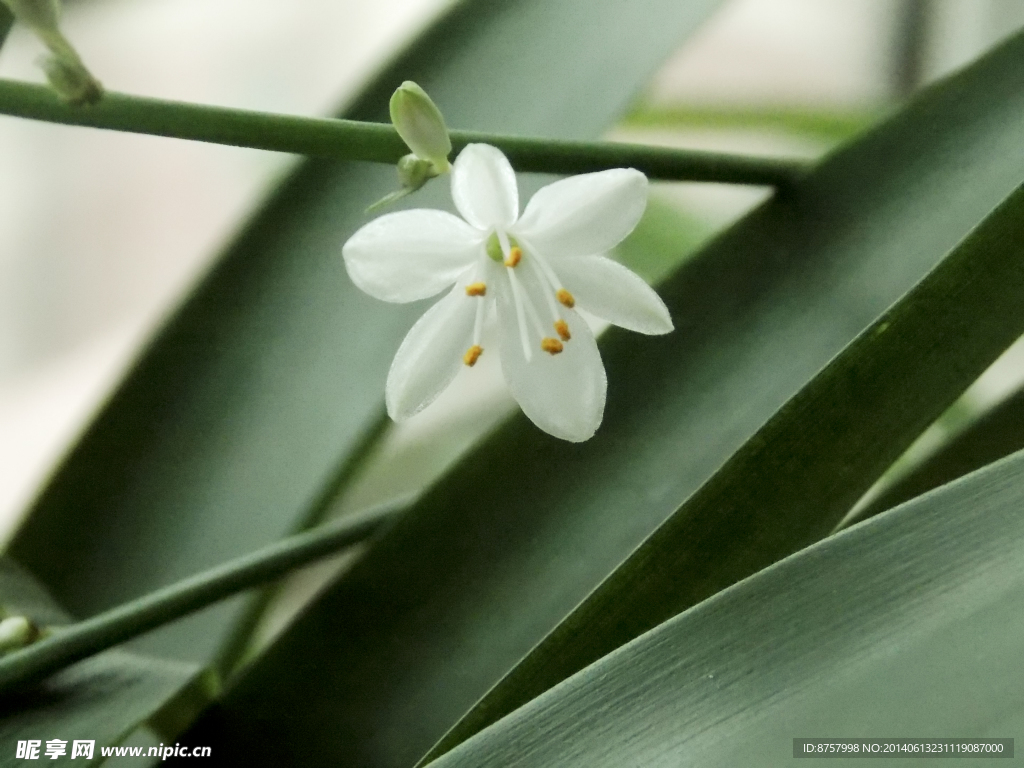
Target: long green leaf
{"points": [[995, 434], [238, 412], [500, 551], [102, 699], [910, 625]]}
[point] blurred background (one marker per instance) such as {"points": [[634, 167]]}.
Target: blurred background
{"points": [[102, 234]]}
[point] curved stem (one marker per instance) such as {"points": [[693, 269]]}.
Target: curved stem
{"points": [[379, 142], [69, 644]]}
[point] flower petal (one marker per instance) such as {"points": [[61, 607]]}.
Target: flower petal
{"points": [[563, 394], [584, 214], [612, 292], [484, 187], [410, 255], [430, 355]]}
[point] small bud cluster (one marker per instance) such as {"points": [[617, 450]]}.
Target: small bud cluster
{"points": [[420, 124], [64, 68]]}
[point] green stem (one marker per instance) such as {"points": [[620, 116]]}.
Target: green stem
{"points": [[234, 648], [70, 644], [379, 142]]}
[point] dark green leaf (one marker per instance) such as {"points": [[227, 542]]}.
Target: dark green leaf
{"points": [[501, 550], [237, 414], [908, 625], [995, 434], [104, 698]]}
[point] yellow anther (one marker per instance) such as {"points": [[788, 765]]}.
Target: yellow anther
{"points": [[515, 255], [551, 346], [476, 289], [472, 355], [566, 298], [563, 329]]}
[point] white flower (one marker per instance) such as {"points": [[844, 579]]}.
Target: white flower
{"points": [[529, 272]]}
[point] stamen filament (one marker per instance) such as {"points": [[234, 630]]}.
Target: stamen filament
{"points": [[478, 322], [549, 273], [548, 296], [520, 314]]}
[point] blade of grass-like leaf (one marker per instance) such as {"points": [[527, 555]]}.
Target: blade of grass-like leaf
{"points": [[496, 554], [995, 434], [378, 142], [103, 699], [910, 625], [237, 414]]}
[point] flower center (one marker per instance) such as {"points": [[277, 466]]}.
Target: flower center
{"points": [[507, 251]]}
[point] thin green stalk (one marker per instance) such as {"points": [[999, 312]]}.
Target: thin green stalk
{"points": [[237, 643], [75, 642], [379, 142]]}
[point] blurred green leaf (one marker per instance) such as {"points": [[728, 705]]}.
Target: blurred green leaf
{"points": [[238, 412], [104, 698], [995, 434], [910, 625], [664, 237], [497, 553], [6, 22], [833, 126]]}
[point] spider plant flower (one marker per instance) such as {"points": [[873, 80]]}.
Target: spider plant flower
{"points": [[528, 273], [64, 69]]}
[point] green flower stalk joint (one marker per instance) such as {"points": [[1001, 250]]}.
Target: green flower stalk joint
{"points": [[64, 68], [421, 125]]}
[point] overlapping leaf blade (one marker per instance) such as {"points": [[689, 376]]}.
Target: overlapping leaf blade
{"points": [[995, 434], [524, 528], [239, 411], [907, 625]]}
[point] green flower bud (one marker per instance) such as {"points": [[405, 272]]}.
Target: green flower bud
{"points": [[16, 632], [413, 172], [420, 124]]}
